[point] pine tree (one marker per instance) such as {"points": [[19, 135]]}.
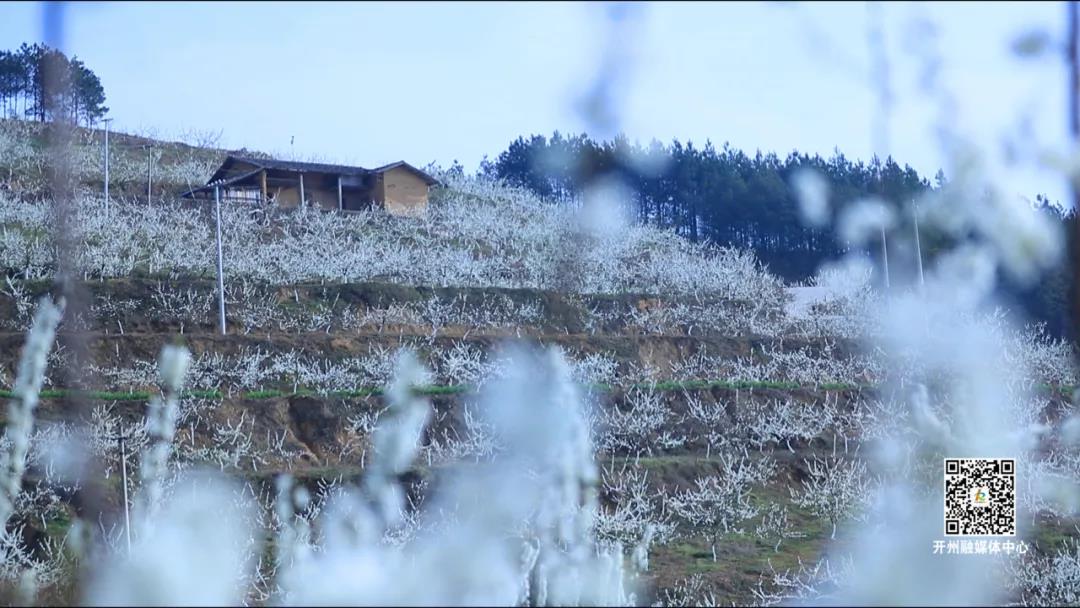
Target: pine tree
{"points": [[49, 85]]}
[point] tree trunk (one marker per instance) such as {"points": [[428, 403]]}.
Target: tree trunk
{"points": [[694, 222]]}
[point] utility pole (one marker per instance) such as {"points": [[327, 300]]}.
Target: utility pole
{"points": [[918, 247], [885, 256], [879, 131], [220, 271], [149, 170], [107, 121], [127, 509]]}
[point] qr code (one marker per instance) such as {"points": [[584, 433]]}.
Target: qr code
{"points": [[980, 497]]}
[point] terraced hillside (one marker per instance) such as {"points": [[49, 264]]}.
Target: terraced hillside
{"points": [[690, 420], [742, 441]]}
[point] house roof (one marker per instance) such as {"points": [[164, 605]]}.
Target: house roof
{"points": [[300, 167], [288, 165], [431, 181], [210, 185]]}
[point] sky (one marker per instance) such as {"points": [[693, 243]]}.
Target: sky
{"points": [[369, 83]]}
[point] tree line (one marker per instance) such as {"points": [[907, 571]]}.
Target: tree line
{"points": [[721, 195], [41, 83], [725, 196]]}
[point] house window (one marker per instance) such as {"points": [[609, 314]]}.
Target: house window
{"points": [[242, 195]]}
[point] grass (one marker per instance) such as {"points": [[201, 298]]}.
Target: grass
{"points": [[1049, 535], [454, 389], [743, 558], [62, 393], [1064, 390], [264, 394], [58, 526]]}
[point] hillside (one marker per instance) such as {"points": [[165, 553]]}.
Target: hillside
{"points": [[175, 165], [736, 435]]}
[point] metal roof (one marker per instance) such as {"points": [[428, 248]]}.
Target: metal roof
{"points": [[219, 183], [301, 167], [424, 176], [288, 165]]}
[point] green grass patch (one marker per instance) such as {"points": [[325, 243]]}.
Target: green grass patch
{"points": [[448, 389], [1049, 535], [698, 554], [675, 385], [57, 527], [61, 393], [263, 394], [359, 392], [1061, 389], [837, 386], [728, 384]]}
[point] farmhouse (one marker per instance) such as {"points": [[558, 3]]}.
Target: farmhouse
{"points": [[399, 188]]}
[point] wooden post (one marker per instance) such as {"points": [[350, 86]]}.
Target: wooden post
{"points": [[340, 200], [301, 189], [107, 121], [918, 247], [149, 171], [885, 256], [123, 467], [220, 263], [262, 184]]}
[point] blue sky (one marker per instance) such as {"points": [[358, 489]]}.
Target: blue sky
{"points": [[369, 83]]}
